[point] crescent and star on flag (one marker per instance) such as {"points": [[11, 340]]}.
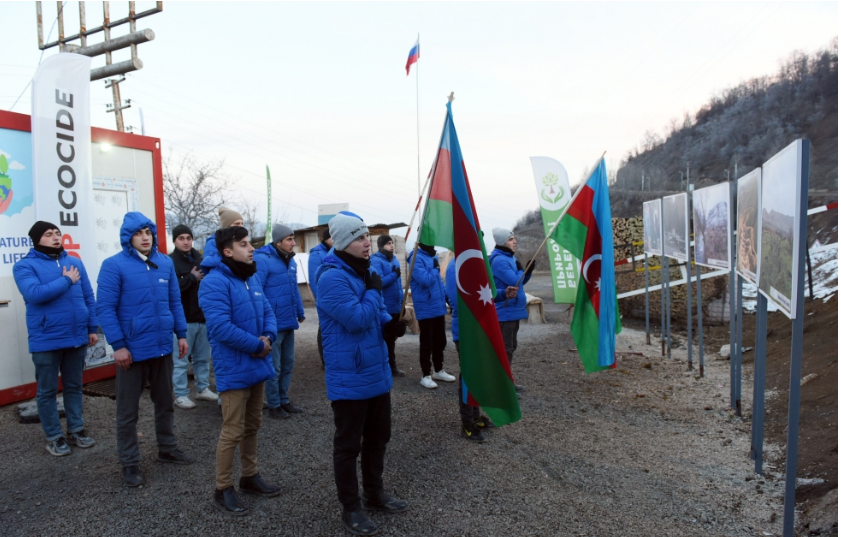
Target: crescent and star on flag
{"points": [[484, 292]]}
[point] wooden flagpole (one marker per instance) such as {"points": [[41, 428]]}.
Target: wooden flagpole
{"points": [[430, 181], [558, 221]]}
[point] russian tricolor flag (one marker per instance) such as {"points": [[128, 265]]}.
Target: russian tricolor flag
{"points": [[414, 54]]}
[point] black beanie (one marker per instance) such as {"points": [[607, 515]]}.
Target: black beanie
{"points": [[181, 229], [325, 234], [382, 240], [39, 228]]}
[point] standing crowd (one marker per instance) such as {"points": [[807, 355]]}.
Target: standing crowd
{"points": [[236, 310]]}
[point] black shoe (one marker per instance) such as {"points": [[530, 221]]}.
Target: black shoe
{"points": [[229, 503], [384, 503], [256, 485], [176, 456], [290, 408], [473, 434], [484, 422], [132, 476], [397, 373], [278, 413], [358, 523], [519, 388]]}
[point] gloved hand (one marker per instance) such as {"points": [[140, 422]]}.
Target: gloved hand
{"points": [[435, 262], [399, 328], [530, 269], [396, 269], [373, 281], [519, 265]]}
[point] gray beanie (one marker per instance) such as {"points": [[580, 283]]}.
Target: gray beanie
{"points": [[344, 229], [280, 232], [501, 235]]}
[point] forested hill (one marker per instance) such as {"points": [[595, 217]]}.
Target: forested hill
{"points": [[748, 124]]}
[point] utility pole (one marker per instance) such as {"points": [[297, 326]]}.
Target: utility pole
{"points": [[132, 39], [736, 168], [687, 176], [681, 181], [642, 186]]}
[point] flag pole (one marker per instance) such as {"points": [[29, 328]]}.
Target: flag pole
{"points": [[558, 221], [269, 215], [417, 109], [430, 181]]}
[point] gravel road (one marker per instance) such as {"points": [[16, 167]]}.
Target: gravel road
{"points": [[631, 451]]}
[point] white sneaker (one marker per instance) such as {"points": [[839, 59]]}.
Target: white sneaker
{"points": [[207, 395], [443, 375], [427, 382], [184, 402]]}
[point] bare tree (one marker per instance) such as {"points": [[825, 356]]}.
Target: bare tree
{"points": [[193, 193], [251, 219]]}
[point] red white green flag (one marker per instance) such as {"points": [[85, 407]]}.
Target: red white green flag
{"points": [[587, 232], [450, 221]]}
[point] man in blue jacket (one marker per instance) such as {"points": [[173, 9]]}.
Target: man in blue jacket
{"points": [[430, 303], [388, 267], [472, 421], [317, 256], [507, 270], [61, 321], [357, 373], [241, 326], [139, 307], [278, 275]]}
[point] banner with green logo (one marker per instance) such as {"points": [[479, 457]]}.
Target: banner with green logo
{"points": [[553, 193]]}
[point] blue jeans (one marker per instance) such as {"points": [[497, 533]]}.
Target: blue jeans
{"points": [[200, 351], [71, 363], [283, 358]]}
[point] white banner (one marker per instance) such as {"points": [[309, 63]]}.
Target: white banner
{"points": [[61, 153]]}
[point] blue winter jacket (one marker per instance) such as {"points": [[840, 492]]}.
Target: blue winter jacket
{"points": [[352, 318], [59, 315], [504, 268], [237, 314], [452, 296], [280, 283], [428, 296], [210, 256], [392, 284], [317, 256], [138, 306]]}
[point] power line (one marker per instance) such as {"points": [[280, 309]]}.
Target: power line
{"points": [[42, 54]]}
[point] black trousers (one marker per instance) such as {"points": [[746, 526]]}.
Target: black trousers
{"points": [[390, 343], [433, 341], [469, 414], [509, 336], [158, 373], [361, 426]]}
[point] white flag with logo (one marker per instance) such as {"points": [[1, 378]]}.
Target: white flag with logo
{"points": [[61, 153]]}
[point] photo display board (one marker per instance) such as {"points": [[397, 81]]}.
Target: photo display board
{"points": [[652, 223], [713, 227], [748, 213], [780, 227], [676, 227]]}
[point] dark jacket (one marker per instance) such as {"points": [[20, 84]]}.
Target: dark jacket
{"points": [[188, 283], [139, 306], [59, 314]]}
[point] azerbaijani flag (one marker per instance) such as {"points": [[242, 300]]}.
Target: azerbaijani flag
{"points": [[414, 54], [587, 232], [451, 221]]}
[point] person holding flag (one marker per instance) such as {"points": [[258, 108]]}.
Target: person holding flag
{"points": [[508, 271], [586, 230], [450, 221]]}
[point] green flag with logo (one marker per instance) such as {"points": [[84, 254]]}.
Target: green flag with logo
{"points": [[554, 195]]}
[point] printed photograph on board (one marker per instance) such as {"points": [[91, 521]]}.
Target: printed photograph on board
{"points": [[652, 227], [676, 227], [748, 204], [779, 224], [712, 226]]}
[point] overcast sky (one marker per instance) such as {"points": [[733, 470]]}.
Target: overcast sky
{"points": [[319, 91]]}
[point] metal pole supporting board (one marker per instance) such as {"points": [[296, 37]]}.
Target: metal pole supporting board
{"points": [[796, 349], [689, 315], [667, 267], [733, 305], [700, 323], [758, 418], [737, 382], [647, 327], [662, 308]]}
